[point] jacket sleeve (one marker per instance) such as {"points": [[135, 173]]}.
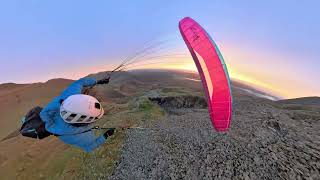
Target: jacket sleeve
{"points": [[86, 141], [77, 86], [96, 143], [49, 112]]}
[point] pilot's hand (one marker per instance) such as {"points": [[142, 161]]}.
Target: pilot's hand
{"points": [[109, 132], [104, 81]]}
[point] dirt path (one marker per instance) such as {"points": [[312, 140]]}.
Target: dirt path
{"points": [[264, 143]]}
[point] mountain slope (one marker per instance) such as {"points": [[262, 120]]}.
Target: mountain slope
{"points": [[173, 139]]}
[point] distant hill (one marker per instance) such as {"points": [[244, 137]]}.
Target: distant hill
{"points": [[242, 86], [192, 79], [313, 101]]}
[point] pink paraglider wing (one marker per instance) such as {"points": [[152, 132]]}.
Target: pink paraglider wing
{"points": [[213, 72]]}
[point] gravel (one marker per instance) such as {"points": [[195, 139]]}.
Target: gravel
{"points": [[264, 142]]}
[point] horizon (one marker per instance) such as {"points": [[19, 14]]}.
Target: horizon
{"points": [[271, 45], [251, 85]]}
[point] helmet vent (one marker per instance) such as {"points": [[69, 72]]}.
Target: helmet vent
{"points": [[71, 117], [89, 119], [97, 105], [81, 118], [63, 113]]}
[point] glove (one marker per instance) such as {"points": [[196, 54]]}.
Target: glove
{"points": [[104, 81], [109, 132]]}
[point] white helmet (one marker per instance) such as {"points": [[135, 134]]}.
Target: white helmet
{"points": [[81, 108]]}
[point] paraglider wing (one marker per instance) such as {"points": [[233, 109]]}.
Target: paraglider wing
{"points": [[212, 70]]}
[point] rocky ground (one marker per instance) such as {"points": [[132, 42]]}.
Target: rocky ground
{"points": [[265, 142]]}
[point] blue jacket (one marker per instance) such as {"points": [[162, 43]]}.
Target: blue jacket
{"points": [[68, 133]]}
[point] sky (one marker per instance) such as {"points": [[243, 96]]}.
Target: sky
{"points": [[271, 44]]}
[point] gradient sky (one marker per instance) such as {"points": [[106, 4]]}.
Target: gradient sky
{"points": [[271, 44]]}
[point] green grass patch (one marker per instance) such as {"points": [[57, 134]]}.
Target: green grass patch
{"points": [[145, 109], [101, 163], [57, 167]]}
